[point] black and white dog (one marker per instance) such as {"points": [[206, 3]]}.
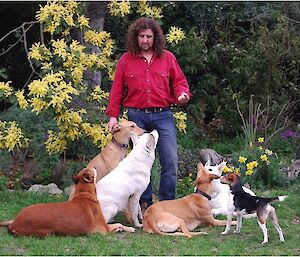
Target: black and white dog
{"points": [[245, 203]]}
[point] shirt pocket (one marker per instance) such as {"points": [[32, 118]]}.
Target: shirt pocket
{"points": [[133, 79], [162, 79]]}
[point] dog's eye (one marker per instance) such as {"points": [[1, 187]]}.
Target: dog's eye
{"points": [[210, 169], [132, 126]]}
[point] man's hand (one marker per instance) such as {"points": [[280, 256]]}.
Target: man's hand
{"points": [[183, 98], [113, 122]]}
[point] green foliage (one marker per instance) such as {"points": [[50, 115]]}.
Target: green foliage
{"points": [[185, 186]]}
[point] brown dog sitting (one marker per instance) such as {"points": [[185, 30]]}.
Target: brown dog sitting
{"points": [[184, 214], [115, 150], [79, 216]]}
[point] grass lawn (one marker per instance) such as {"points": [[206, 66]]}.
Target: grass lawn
{"points": [[140, 243]]}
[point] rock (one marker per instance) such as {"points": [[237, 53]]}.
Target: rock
{"points": [[68, 190], [50, 189], [293, 170], [210, 154]]}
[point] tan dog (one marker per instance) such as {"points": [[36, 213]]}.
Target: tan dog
{"points": [[183, 214], [81, 215], [115, 151]]}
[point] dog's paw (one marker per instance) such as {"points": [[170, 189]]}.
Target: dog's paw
{"points": [[225, 232], [131, 230], [264, 242], [236, 231], [138, 225]]}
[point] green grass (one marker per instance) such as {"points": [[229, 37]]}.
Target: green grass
{"points": [[140, 243]]}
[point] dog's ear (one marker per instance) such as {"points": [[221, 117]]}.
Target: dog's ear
{"points": [[207, 163], [151, 141], [75, 179], [134, 138], [88, 178], [116, 129], [199, 169], [222, 166], [197, 181]]}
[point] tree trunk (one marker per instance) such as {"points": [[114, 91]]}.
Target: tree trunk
{"points": [[96, 12]]}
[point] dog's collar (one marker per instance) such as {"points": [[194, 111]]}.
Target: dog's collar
{"points": [[202, 193], [119, 144]]}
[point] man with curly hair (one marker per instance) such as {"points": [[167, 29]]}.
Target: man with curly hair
{"points": [[148, 80]]}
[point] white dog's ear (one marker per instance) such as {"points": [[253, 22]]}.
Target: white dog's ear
{"points": [[221, 166], [207, 163], [151, 141], [134, 138]]}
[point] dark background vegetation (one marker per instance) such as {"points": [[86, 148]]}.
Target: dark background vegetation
{"points": [[233, 50]]}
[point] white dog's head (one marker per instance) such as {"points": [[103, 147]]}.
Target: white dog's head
{"points": [[217, 169], [146, 142]]}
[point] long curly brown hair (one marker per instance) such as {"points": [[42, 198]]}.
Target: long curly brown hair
{"points": [[143, 24]]}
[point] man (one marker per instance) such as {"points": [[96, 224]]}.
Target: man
{"points": [[148, 80]]}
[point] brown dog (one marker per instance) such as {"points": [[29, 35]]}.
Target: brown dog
{"points": [[114, 151], [183, 214], [79, 216]]}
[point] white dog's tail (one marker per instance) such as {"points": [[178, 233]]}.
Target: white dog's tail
{"points": [[281, 198]]}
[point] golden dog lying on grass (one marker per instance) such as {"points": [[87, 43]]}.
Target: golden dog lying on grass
{"points": [[79, 216], [184, 214]]}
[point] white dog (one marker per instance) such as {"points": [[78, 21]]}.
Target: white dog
{"points": [[124, 185], [221, 196]]}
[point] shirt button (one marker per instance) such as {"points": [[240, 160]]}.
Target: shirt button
{"points": [[145, 61], [148, 80], [147, 70]]}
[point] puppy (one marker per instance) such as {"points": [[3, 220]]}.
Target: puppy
{"points": [[221, 196], [123, 186], [79, 216], [183, 214], [245, 203], [115, 150]]}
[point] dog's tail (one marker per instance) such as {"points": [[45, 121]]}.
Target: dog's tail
{"points": [[6, 223], [279, 198]]}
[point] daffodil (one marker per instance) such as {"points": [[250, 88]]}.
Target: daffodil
{"points": [[260, 140], [264, 157], [242, 159]]}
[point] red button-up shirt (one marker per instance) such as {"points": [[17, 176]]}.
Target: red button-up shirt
{"points": [[139, 84]]}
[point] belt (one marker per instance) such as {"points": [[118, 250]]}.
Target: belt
{"points": [[154, 109]]}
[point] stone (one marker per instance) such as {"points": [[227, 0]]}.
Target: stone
{"points": [[50, 189]]}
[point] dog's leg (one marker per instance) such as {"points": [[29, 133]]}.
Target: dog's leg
{"points": [[116, 227], [262, 225], [6, 223], [228, 225], [274, 219], [134, 206], [238, 224]]}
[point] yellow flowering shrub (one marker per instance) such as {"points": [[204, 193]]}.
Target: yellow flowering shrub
{"points": [[175, 35], [11, 136], [64, 63]]}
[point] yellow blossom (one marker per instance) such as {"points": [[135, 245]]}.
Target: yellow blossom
{"points": [[175, 35], [227, 169], [21, 99], [38, 88], [260, 140], [242, 159], [11, 136], [83, 21], [268, 152], [249, 172], [260, 148], [37, 105], [56, 143], [180, 118], [5, 89], [264, 157]]}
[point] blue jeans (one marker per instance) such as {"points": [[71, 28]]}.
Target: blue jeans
{"points": [[164, 123]]}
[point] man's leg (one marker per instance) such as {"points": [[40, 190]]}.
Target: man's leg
{"points": [[167, 149]]}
